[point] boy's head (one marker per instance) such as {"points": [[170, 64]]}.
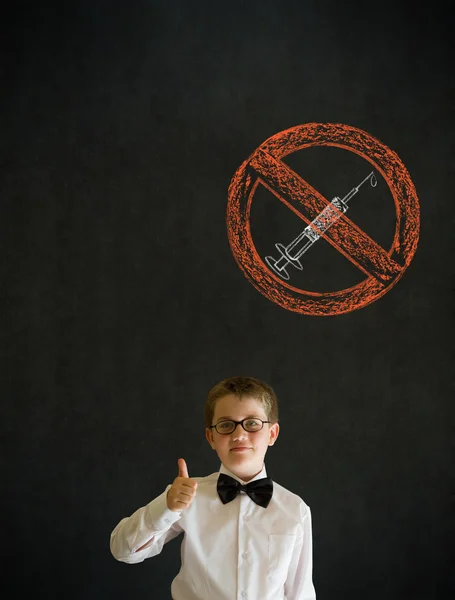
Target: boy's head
{"points": [[242, 448]]}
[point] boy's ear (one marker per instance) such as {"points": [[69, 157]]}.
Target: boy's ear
{"points": [[209, 437], [273, 433]]}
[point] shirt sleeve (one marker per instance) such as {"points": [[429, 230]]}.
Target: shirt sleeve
{"points": [[152, 525], [299, 582]]}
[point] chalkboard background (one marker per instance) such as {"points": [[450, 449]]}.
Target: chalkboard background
{"points": [[122, 124]]}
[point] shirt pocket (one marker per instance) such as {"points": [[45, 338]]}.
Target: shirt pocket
{"points": [[280, 554]]}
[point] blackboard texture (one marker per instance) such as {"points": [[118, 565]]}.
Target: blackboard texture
{"points": [[122, 302]]}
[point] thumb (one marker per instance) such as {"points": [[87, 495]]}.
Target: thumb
{"points": [[183, 469]]}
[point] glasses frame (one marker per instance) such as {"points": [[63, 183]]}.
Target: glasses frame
{"points": [[238, 423]]}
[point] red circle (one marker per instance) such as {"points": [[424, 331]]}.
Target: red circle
{"points": [[246, 180]]}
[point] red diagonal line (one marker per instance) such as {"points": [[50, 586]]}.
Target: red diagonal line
{"points": [[343, 235]]}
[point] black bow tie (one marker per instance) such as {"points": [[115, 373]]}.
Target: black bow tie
{"points": [[260, 490]]}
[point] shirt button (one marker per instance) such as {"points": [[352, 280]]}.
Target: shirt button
{"points": [[245, 555], [166, 520]]}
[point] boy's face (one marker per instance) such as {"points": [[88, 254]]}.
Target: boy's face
{"points": [[248, 461]]}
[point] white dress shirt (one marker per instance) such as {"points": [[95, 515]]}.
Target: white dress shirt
{"points": [[234, 551]]}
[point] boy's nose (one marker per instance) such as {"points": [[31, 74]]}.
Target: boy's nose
{"points": [[238, 431]]}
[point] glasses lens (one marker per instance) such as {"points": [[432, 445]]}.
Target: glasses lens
{"points": [[225, 427], [252, 424]]}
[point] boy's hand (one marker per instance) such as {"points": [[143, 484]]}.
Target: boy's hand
{"points": [[182, 492]]}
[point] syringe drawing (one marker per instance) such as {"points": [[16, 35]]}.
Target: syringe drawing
{"points": [[291, 253]]}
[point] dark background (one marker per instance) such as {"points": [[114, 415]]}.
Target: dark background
{"points": [[122, 124]]}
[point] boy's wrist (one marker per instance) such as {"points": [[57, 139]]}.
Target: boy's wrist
{"points": [[158, 516]]}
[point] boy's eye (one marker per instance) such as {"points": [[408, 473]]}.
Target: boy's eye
{"points": [[225, 425], [253, 425]]}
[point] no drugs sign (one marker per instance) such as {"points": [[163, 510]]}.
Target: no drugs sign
{"points": [[382, 268]]}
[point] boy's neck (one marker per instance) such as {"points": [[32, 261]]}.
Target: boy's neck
{"points": [[244, 478]]}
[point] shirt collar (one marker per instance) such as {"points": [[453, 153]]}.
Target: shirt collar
{"points": [[260, 475]]}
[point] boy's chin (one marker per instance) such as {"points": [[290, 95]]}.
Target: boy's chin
{"points": [[241, 457], [242, 466]]}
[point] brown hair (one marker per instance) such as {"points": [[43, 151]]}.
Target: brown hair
{"points": [[242, 386]]}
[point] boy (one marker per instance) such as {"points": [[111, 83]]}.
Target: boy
{"points": [[246, 537]]}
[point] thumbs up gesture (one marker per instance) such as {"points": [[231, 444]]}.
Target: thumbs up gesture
{"points": [[183, 490]]}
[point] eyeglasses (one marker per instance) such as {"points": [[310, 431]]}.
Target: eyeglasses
{"points": [[250, 425]]}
